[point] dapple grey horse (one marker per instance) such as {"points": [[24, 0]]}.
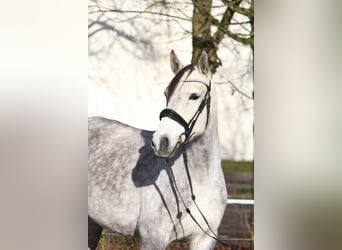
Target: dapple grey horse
{"points": [[137, 179]]}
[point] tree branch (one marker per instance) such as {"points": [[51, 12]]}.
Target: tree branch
{"points": [[249, 12], [236, 89], [138, 12], [222, 27]]}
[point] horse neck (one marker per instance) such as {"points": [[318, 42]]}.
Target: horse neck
{"points": [[206, 148]]}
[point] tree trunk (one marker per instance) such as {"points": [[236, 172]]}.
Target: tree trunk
{"points": [[201, 23], [201, 30]]}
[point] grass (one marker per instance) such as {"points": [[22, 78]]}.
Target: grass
{"points": [[234, 168], [243, 190], [237, 166]]}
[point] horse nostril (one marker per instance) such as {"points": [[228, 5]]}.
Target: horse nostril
{"points": [[164, 143], [152, 144]]}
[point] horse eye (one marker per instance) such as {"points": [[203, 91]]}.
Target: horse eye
{"points": [[194, 96]]}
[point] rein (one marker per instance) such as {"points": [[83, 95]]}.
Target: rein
{"points": [[193, 198], [188, 127]]}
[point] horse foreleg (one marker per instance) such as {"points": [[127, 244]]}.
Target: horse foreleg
{"points": [[152, 244], [94, 233], [202, 242]]}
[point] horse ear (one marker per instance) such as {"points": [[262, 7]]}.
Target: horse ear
{"points": [[203, 64], [175, 63]]}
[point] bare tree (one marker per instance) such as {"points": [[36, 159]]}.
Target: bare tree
{"points": [[208, 29], [203, 21]]}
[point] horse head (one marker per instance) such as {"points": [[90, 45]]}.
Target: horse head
{"points": [[187, 112]]}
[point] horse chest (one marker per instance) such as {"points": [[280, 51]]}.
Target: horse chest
{"points": [[163, 202]]}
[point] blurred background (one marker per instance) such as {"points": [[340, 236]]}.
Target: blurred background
{"points": [[297, 119]]}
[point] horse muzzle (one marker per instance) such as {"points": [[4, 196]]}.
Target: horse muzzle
{"points": [[165, 139], [162, 147]]}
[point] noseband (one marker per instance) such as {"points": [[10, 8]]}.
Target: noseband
{"points": [[188, 126]]}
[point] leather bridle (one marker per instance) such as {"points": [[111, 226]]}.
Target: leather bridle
{"points": [[188, 126]]}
